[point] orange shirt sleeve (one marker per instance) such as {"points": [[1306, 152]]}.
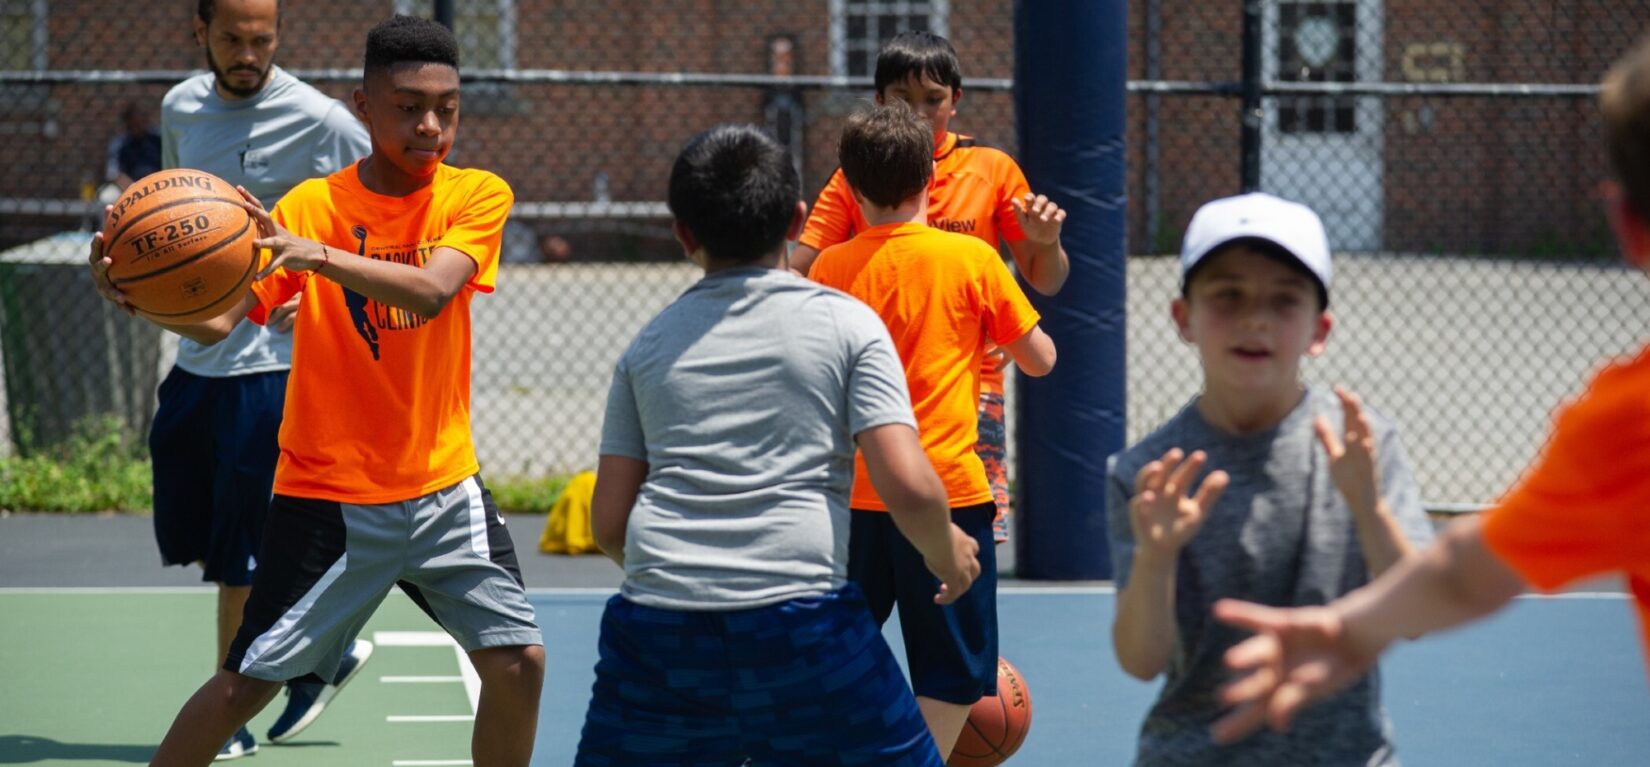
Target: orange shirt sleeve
{"points": [[1007, 312], [274, 290], [1011, 185], [1584, 508], [478, 229], [832, 219]]}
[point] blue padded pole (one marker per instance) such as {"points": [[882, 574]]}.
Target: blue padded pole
{"points": [[1069, 76]]}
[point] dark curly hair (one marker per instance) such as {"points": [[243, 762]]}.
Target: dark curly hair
{"points": [[409, 39]]}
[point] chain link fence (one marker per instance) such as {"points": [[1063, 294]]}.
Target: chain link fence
{"points": [[1452, 149]]}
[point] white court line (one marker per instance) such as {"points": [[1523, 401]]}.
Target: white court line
{"points": [[419, 679], [431, 718], [430, 762], [466, 669]]}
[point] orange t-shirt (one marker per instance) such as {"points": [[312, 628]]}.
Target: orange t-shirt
{"points": [[971, 193], [1584, 509], [942, 296], [378, 400]]}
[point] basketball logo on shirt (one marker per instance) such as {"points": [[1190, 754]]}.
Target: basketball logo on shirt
{"points": [[357, 303], [370, 316]]}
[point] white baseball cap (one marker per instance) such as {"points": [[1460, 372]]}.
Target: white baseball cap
{"points": [[1291, 226]]}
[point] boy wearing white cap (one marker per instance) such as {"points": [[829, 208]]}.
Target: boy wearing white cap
{"points": [[1309, 494]]}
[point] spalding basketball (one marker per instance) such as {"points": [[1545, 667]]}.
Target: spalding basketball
{"points": [[996, 725], [180, 245]]}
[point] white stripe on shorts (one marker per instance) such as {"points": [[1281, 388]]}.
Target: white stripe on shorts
{"points": [[283, 627], [478, 519]]}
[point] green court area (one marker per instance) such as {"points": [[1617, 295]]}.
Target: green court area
{"points": [[94, 678]]}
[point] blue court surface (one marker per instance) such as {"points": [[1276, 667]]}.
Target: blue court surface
{"points": [[93, 676], [1550, 681]]}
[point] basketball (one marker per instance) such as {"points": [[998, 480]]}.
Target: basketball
{"points": [[996, 725], [180, 245]]}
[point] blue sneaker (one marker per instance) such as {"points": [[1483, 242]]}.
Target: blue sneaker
{"points": [[306, 700], [240, 744]]}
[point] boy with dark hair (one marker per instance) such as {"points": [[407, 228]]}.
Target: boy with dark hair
{"points": [[722, 490], [1294, 514], [1583, 509], [977, 190], [377, 481], [944, 297]]}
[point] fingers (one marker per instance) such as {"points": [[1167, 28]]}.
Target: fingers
{"points": [[1238, 723], [1181, 477], [1357, 422], [1247, 615], [1326, 435], [248, 196], [1210, 491]]}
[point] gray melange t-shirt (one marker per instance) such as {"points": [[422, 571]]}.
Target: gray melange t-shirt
{"points": [[286, 134], [743, 397], [1281, 534]]}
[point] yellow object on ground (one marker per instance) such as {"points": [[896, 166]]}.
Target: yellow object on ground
{"points": [[567, 531]]}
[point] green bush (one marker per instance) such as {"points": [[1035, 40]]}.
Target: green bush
{"points": [[526, 495], [97, 469]]}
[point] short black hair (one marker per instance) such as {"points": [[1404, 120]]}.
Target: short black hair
{"points": [[887, 153], [206, 9], [409, 40], [918, 53], [736, 190], [1266, 248]]}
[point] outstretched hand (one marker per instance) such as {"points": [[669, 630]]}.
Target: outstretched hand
{"points": [[1297, 656], [287, 250], [1161, 513], [1040, 218], [1352, 456]]}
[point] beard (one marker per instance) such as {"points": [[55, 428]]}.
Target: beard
{"points": [[221, 75]]}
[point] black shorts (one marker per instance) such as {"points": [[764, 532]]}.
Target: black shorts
{"points": [[212, 451], [951, 650]]}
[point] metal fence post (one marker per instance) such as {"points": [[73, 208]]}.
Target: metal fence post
{"points": [[1251, 117]]}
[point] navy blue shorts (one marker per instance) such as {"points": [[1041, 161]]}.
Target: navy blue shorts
{"points": [[951, 649], [804, 682], [213, 449]]}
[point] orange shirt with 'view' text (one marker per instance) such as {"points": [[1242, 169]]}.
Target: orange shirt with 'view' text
{"points": [[378, 400], [943, 296]]}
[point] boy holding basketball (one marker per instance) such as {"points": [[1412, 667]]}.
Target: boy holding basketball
{"points": [[944, 298], [377, 481], [977, 190], [213, 443], [1310, 496], [722, 490], [1582, 510]]}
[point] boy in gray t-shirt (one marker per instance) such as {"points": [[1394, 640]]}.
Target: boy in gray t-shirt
{"points": [[1310, 496], [722, 489]]}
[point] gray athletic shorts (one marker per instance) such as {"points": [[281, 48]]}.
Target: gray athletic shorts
{"points": [[324, 567]]}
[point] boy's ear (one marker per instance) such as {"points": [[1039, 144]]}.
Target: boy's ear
{"points": [[799, 219], [360, 99], [1320, 334], [1181, 312], [956, 98], [684, 235], [200, 32], [1632, 231]]}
